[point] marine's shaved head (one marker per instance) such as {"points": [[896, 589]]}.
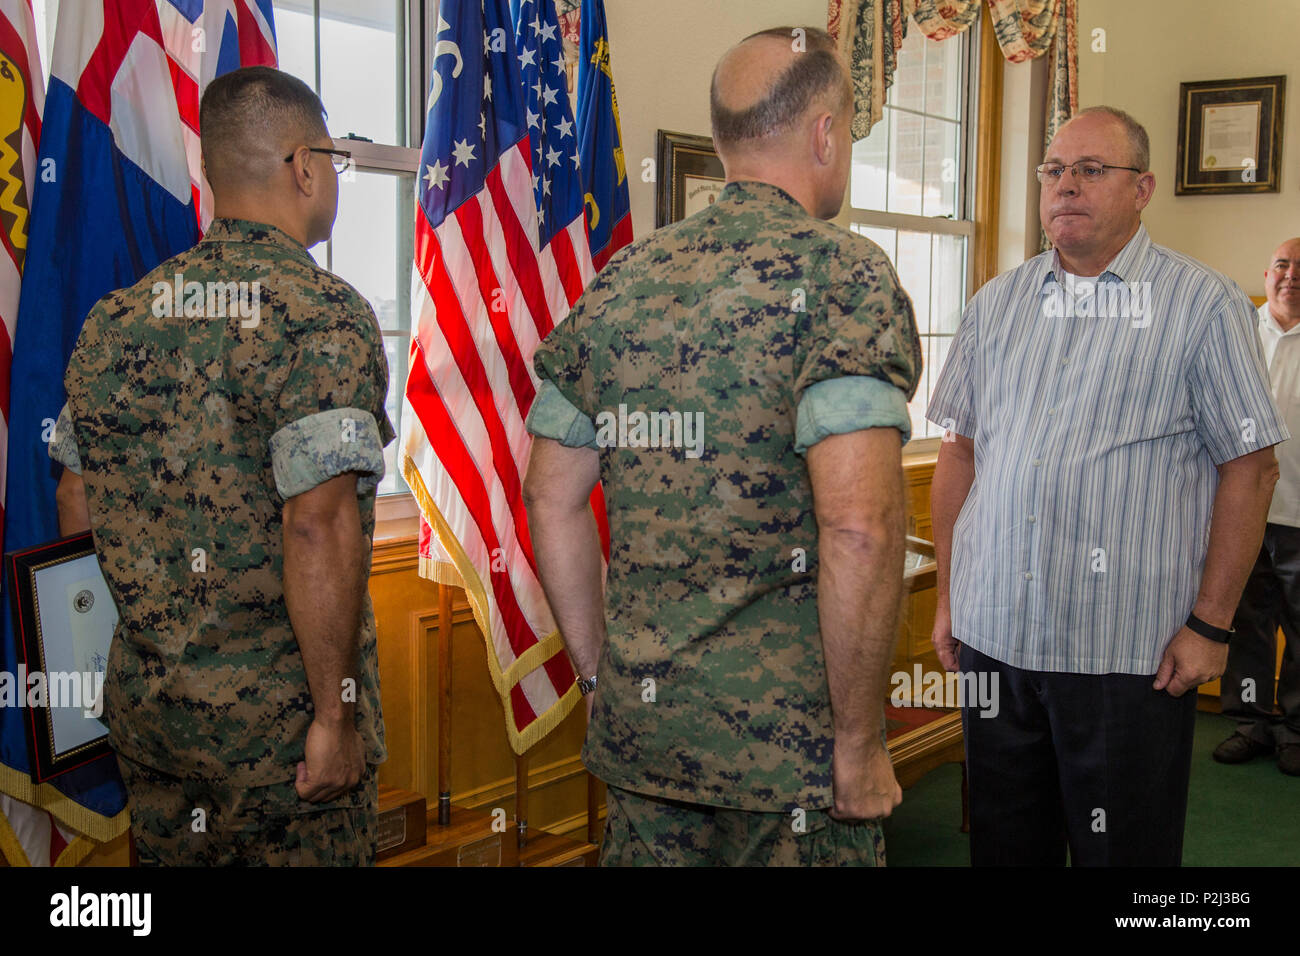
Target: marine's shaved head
{"points": [[764, 85], [250, 119]]}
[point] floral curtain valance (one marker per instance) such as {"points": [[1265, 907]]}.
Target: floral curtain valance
{"points": [[869, 33]]}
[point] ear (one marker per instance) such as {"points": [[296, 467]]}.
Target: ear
{"points": [[1146, 189], [823, 138], [302, 172]]}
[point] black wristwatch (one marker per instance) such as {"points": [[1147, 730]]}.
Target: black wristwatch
{"points": [[1209, 630]]}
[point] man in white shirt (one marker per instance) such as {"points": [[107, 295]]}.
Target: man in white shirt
{"points": [[1272, 596]]}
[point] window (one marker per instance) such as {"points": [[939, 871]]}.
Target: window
{"points": [[361, 57], [910, 192]]}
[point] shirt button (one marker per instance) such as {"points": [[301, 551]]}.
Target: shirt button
{"points": [[1032, 519], [1036, 462], [1065, 361], [1051, 411], [1028, 576]]}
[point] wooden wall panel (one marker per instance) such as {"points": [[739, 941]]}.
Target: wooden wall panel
{"points": [[916, 616]]}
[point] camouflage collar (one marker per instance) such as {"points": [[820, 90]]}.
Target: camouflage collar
{"points": [[245, 230], [749, 190]]}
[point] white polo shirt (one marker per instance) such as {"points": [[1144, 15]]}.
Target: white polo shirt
{"points": [[1282, 355]]}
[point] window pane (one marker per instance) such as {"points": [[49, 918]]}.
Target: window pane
{"points": [[921, 400], [364, 245], [295, 39], [941, 168], [908, 90], [371, 249], [918, 152], [869, 170], [939, 347], [913, 265], [905, 161], [948, 283], [943, 74], [361, 49]]}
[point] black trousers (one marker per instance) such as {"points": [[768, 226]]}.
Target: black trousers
{"points": [[1096, 762], [1271, 600]]}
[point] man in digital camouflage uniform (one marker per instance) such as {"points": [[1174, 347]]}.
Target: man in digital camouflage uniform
{"points": [[225, 452], [757, 540]]}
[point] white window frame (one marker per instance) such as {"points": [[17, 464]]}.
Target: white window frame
{"points": [[942, 225], [396, 514]]}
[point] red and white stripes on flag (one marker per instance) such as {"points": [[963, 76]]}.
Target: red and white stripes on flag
{"points": [[22, 102], [464, 452], [190, 47]]}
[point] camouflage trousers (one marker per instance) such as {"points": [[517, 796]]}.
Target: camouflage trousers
{"points": [[641, 830], [241, 826]]}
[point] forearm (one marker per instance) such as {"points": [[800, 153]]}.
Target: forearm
{"points": [[1236, 531], [859, 588], [324, 589], [73, 509], [567, 548], [953, 477]]}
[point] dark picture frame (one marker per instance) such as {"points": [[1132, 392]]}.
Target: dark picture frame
{"points": [[689, 173], [63, 613], [1230, 136]]}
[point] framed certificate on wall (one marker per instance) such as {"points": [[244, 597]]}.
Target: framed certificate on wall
{"points": [[690, 176], [64, 618], [1230, 136]]}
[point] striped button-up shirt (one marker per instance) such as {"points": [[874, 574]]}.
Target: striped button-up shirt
{"points": [[1099, 410]]}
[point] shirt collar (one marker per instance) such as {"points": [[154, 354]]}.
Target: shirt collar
{"points": [[1270, 324], [1125, 267], [751, 190], [245, 230]]}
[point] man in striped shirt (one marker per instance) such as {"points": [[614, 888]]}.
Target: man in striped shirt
{"points": [[1098, 502]]}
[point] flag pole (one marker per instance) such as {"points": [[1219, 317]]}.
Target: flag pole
{"points": [[444, 705], [521, 799]]}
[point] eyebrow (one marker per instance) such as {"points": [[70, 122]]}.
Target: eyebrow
{"points": [[1081, 159], [1285, 259]]}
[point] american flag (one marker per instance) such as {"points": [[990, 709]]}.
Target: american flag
{"points": [[501, 255]]}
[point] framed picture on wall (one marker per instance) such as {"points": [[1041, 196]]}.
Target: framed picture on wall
{"points": [[1230, 136], [690, 175]]}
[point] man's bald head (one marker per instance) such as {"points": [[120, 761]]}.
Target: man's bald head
{"points": [[250, 119], [765, 85]]}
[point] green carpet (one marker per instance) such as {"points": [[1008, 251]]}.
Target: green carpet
{"points": [[1236, 816]]}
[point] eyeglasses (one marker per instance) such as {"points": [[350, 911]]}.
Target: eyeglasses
{"points": [[1089, 172], [340, 158]]}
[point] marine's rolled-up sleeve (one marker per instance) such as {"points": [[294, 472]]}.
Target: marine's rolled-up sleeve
{"points": [[554, 416], [63, 443], [839, 405], [863, 360], [1231, 399], [561, 408], [330, 416]]}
